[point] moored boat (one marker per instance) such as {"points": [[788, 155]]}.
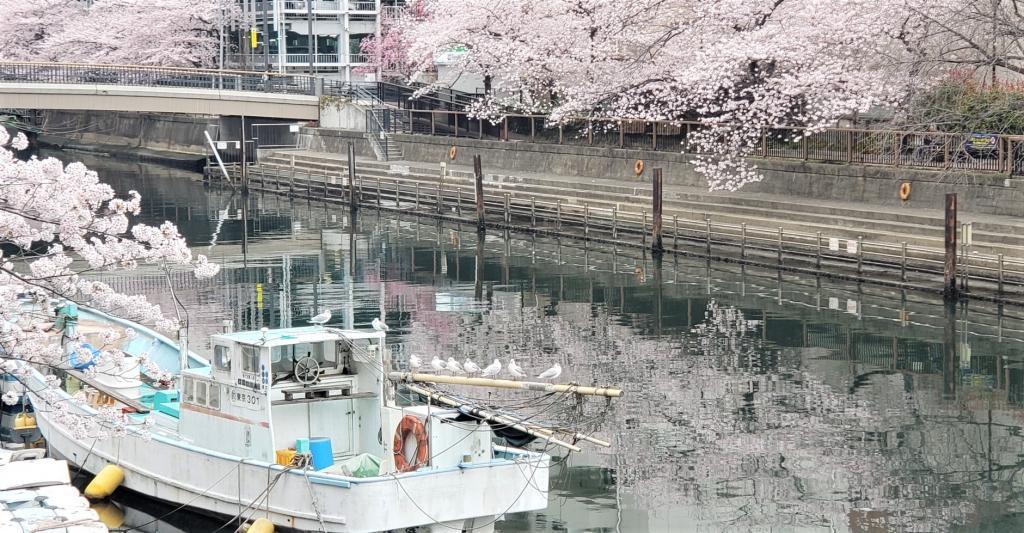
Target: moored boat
{"points": [[300, 426]]}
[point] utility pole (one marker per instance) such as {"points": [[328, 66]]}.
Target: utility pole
{"points": [[266, 37]]}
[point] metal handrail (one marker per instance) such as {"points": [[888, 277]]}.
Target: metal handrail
{"points": [[146, 76]]}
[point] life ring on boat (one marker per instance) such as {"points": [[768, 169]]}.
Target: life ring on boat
{"points": [[638, 167], [413, 425], [452, 152], [905, 191]]}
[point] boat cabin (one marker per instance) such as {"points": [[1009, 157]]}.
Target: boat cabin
{"points": [[267, 390]]}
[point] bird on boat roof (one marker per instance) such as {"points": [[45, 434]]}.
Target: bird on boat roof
{"points": [[437, 364], [414, 362], [551, 373], [454, 367], [492, 369], [379, 325], [321, 319], [515, 370], [470, 367]]}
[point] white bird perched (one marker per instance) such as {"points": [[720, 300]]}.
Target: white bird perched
{"points": [[454, 367], [414, 362], [321, 319], [551, 373], [470, 367], [492, 369], [515, 370], [437, 364], [379, 325]]}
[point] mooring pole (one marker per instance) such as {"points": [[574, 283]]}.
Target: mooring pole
{"points": [[478, 179], [352, 176], [245, 166], [656, 244], [949, 277]]}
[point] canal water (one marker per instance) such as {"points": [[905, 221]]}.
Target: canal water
{"points": [[755, 400]]}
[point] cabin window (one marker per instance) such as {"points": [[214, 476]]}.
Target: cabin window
{"points": [[222, 358], [201, 392], [190, 390], [250, 359], [281, 359], [214, 396]]}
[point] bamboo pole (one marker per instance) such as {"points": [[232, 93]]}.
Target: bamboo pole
{"points": [[505, 384], [487, 415]]}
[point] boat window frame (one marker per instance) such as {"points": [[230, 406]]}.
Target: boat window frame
{"points": [[202, 385], [213, 396], [222, 357], [250, 359], [188, 392]]}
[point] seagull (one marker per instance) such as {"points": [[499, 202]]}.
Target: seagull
{"points": [[321, 319], [379, 325], [414, 362], [515, 370], [552, 372], [492, 369], [470, 367], [437, 364], [454, 367]]}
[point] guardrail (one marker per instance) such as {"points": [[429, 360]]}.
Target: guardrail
{"points": [[140, 76], [992, 276], [930, 150]]}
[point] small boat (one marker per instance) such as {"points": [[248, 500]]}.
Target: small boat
{"points": [[299, 426]]}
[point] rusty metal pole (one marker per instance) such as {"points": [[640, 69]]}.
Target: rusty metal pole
{"points": [[352, 176], [949, 279], [478, 179], [656, 244]]}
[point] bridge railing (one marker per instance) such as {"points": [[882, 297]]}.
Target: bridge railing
{"points": [[142, 76]]}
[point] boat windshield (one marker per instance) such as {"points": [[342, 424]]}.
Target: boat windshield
{"points": [[283, 358]]}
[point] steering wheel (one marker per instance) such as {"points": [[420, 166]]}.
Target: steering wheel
{"points": [[307, 370]]}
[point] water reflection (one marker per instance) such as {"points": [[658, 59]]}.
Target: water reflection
{"points": [[757, 400]]}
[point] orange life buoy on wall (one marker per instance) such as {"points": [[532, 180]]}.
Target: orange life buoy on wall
{"points": [[411, 424], [452, 152], [905, 191], [638, 167]]}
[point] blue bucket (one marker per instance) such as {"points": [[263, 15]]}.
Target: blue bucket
{"points": [[323, 453]]}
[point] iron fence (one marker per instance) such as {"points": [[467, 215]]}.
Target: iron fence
{"points": [[929, 150]]}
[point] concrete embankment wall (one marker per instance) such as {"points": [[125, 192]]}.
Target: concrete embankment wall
{"points": [[172, 133], [979, 192]]}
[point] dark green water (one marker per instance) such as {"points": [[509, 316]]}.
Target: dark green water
{"points": [[756, 401]]}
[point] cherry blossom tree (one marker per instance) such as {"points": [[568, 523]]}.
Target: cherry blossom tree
{"points": [[740, 67], [137, 32], [388, 52], [58, 223]]}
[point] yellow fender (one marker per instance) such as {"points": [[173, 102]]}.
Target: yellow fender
{"points": [[261, 525], [24, 421], [105, 482]]}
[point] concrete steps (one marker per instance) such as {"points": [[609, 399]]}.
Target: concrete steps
{"points": [[891, 225]]}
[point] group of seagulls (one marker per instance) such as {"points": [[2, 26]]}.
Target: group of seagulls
{"points": [[492, 370], [452, 365]]}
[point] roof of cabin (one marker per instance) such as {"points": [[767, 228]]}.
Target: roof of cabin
{"points": [[287, 336]]}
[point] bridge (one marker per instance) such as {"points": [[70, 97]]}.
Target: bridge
{"points": [[162, 90]]}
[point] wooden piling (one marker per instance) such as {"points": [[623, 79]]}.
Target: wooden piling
{"points": [[656, 194], [478, 181], [949, 289]]}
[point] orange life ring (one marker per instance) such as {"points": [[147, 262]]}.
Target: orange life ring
{"points": [[411, 424], [905, 191], [452, 152], [638, 167]]}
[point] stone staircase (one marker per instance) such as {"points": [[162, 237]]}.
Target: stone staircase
{"points": [[917, 227]]}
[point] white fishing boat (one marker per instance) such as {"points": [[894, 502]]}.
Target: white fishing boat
{"points": [[299, 426]]}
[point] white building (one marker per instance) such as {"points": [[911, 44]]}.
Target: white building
{"points": [[283, 36]]}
